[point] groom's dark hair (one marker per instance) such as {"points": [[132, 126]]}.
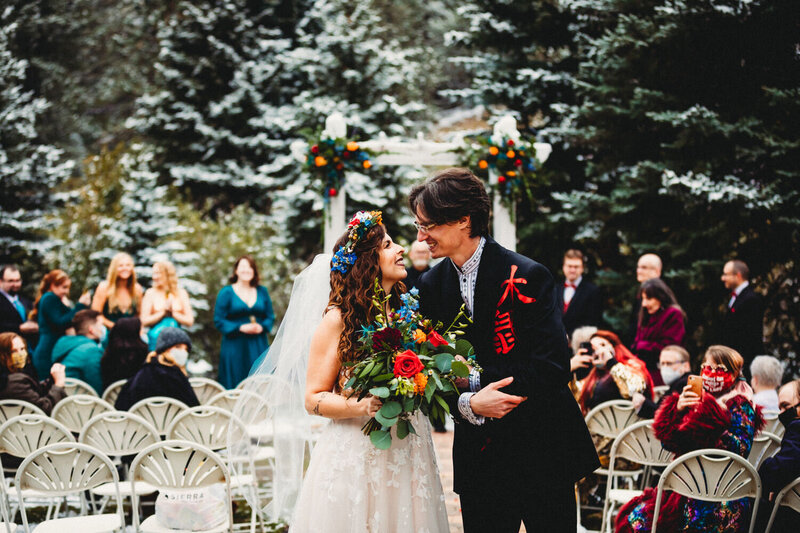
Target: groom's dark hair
{"points": [[450, 194]]}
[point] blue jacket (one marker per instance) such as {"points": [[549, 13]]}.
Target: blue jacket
{"points": [[777, 471], [81, 357]]}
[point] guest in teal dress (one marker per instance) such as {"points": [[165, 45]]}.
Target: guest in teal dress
{"points": [[54, 312], [243, 313], [166, 304]]}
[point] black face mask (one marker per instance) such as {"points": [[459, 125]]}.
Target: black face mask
{"points": [[788, 416]]}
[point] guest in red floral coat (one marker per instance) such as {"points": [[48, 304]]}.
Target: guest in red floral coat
{"points": [[661, 323], [723, 418]]}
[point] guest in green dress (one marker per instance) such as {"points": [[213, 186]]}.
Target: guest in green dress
{"points": [[53, 311], [118, 296], [243, 313]]}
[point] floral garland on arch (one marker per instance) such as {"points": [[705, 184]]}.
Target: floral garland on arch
{"points": [[514, 161], [329, 159]]}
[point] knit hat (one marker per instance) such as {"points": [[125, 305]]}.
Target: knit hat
{"points": [[169, 337]]}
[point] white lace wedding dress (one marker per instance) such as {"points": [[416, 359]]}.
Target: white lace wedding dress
{"points": [[352, 487]]}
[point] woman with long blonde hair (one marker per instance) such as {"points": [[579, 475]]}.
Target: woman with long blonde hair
{"points": [[165, 304], [119, 295], [53, 311]]}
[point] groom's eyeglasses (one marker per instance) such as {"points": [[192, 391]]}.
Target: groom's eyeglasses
{"points": [[424, 228]]}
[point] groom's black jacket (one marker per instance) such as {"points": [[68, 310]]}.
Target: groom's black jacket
{"points": [[517, 332]]}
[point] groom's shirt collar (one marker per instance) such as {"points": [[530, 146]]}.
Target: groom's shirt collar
{"points": [[468, 275]]}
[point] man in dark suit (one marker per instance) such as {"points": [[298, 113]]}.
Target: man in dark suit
{"points": [[743, 324], [520, 441], [14, 308], [579, 299]]}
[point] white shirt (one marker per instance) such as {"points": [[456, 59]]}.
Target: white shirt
{"points": [[467, 276], [569, 292], [767, 399], [737, 291]]}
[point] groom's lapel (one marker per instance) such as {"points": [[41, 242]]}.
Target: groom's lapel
{"points": [[487, 286]]}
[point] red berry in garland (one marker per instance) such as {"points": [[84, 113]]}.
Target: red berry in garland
{"points": [[510, 142], [518, 163], [332, 192], [501, 179], [315, 149]]}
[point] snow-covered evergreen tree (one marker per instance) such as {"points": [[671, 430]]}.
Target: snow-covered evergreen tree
{"points": [[201, 112], [29, 168]]}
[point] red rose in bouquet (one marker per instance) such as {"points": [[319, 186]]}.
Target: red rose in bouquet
{"points": [[407, 365], [436, 339]]}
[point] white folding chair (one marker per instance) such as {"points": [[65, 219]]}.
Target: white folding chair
{"points": [[117, 434], [659, 391], [76, 386], [112, 391], [227, 399], [24, 434], [789, 496], [773, 424], [176, 465], [710, 475], [11, 408], [635, 443], [69, 468], [5, 509], [764, 445], [75, 411], [160, 411], [608, 420], [214, 427], [205, 388]]}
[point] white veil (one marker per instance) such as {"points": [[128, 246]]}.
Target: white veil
{"points": [[272, 405]]}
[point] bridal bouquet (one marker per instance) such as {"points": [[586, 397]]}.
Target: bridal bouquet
{"points": [[409, 366]]}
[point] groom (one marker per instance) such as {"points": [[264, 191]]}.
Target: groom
{"points": [[520, 440]]}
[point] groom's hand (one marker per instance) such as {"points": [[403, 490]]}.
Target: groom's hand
{"points": [[492, 403]]}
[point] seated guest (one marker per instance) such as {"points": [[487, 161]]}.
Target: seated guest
{"points": [[580, 365], [420, 256], [784, 467], [16, 376], [163, 373], [125, 352], [723, 417], [766, 375], [661, 323], [675, 369], [616, 372], [81, 353]]}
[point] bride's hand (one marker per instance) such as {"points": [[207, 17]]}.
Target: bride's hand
{"points": [[369, 405]]}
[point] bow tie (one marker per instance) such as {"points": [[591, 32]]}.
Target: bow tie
{"points": [[568, 284]]}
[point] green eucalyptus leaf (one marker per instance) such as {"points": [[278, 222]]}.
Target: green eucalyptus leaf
{"points": [[443, 404], [411, 428], [459, 369], [385, 422], [391, 410], [430, 388], [381, 439], [379, 392], [402, 429], [443, 362], [464, 348]]}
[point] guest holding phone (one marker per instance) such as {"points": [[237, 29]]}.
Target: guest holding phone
{"points": [[721, 417], [616, 374]]}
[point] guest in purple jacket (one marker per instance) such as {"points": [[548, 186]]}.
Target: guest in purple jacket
{"points": [[661, 323]]}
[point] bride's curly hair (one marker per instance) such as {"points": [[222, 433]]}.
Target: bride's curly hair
{"points": [[352, 292]]}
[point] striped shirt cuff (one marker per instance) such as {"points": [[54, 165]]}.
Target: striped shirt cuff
{"points": [[474, 380], [466, 411]]}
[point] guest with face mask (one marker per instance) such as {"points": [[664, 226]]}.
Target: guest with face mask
{"points": [[17, 376], [721, 417], [784, 467], [675, 369], [163, 373]]}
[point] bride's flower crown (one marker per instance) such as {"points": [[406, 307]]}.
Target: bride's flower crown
{"points": [[359, 225]]}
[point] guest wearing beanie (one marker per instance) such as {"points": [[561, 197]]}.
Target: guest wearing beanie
{"points": [[163, 373]]}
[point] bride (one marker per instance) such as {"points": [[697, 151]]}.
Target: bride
{"points": [[351, 486]]}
